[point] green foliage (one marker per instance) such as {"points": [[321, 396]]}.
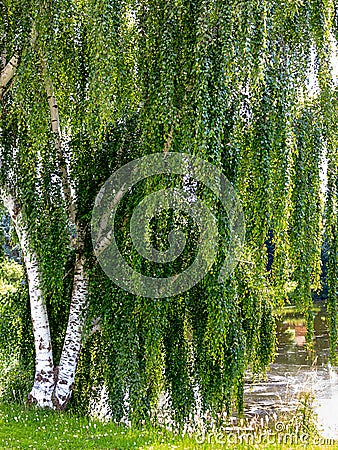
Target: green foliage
{"points": [[16, 344], [11, 276]]}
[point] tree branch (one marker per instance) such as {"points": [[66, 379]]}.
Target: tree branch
{"points": [[56, 131], [3, 57], [8, 72]]}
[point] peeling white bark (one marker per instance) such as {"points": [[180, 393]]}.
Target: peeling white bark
{"points": [[74, 335], [44, 382]]}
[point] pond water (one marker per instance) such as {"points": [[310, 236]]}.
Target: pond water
{"points": [[294, 372]]}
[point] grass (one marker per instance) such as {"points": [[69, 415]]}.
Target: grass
{"points": [[29, 428]]}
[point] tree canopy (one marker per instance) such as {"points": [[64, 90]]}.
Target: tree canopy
{"points": [[87, 86]]}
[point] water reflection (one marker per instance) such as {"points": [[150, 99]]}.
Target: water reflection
{"points": [[294, 372]]}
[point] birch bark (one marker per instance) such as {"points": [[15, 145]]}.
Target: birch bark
{"points": [[44, 382], [73, 339]]}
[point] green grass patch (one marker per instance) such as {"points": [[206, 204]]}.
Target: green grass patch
{"points": [[30, 428]]}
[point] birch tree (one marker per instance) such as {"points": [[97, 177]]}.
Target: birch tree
{"points": [[88, 86], [53, 382]]}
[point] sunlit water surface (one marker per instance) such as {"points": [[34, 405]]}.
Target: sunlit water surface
{"points": [[293, 372]]}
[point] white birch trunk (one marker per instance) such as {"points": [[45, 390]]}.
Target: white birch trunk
{"points": [[65, 372], [74, 335], [44, 382]]}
